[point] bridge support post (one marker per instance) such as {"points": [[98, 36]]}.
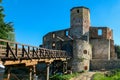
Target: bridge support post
{"points": [[53, 68], [34, 71], [64, 67], [48, 68], [30, 74], [8, 76]]}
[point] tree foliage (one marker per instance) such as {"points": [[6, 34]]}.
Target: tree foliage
{"points": [[6, 28], [117, 50]]}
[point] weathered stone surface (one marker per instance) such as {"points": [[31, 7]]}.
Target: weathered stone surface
{"points": [[99, 64], [106, 33], [80, 22], [100, 48], [112, 50], [54, 37], [81, 55]]}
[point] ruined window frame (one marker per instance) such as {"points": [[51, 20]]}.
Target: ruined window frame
{"points": [[100, 32], [66, 33]]}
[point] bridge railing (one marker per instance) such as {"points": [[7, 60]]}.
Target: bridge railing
{"points": [[14, 51]]}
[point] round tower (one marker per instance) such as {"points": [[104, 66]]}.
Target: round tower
{"points": [[79, 21], [82, 54]]}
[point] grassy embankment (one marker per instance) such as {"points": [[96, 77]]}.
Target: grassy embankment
{"points": [[110, 75], [63, 77]]}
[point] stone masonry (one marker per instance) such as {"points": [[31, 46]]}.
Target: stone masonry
{"points": [[82, 56]]}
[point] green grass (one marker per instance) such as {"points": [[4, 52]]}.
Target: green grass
{"points": [[111, 75], [63, 77]]}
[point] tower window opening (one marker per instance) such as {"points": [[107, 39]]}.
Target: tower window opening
{"points": [[53, 45], [53, 35], [85, 51], [77, 11], [66, 33], [44, 38], [99, 32]]}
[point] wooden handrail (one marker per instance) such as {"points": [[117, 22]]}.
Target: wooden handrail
{"points": [[2, 40], [29, 52]]}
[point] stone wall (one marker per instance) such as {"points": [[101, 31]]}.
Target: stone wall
{"points": [[66, 46], [79, 22], [100, 48], [50, 39], [113, 55], [97, 64], [106, 33], [103, 49]]}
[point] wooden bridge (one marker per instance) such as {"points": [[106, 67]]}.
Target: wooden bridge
{"points": [[12, 53]]}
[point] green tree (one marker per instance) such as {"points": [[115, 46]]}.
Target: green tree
{"points": [[117, 50], [6, 28]]}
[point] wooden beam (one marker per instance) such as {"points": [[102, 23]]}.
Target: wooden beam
{"points": [[31, 63]]}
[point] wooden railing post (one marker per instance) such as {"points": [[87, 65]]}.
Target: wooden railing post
{"points": [[29, 51], [7, 50], [33, 53], [23, 54], [16, 49]]}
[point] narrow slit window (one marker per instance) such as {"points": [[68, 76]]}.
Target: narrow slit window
{"points": [[99, 32], [77, 11], [53, 35], [66, 33]]}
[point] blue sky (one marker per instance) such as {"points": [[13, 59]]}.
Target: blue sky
{"points": [[34, 18]]}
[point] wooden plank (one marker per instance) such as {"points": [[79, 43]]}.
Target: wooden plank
{"points": [[11, 63]]}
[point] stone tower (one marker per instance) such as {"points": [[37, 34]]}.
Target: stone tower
{"points": [[79, 31], [79, 22]]}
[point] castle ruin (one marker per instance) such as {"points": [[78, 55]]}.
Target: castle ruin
{"points": [[83, 42]]}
